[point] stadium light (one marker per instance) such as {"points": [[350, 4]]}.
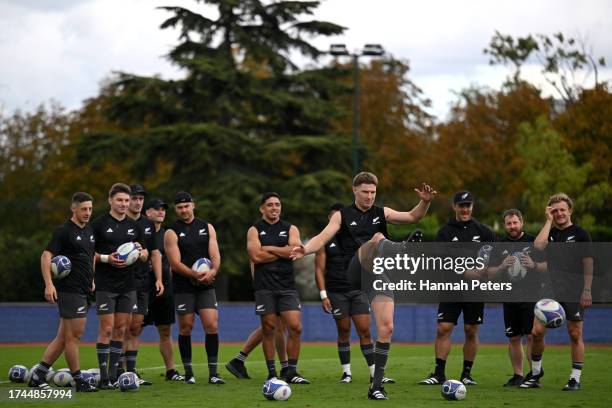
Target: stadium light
{"points": [[369, 50]]}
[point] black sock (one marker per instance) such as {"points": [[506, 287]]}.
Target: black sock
{"points": [[292, 366], [467, 367], [241, 356], [284, 365], [381, 353], [122, 360], [440, 367], [368, 353], [185, 350], [344, 352], [271, 364], [116, 347], [77, 375], [41, 371], [103, 351], [212, 350], [130, 360]]}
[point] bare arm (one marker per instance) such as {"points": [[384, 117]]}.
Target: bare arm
{"points": [[45, 268], [318, 241], [256, 254], [320, 258], [587, 267], [426, 195], [541, 241], [285, 252], [213, 249], [156, 262], [174, 256]]}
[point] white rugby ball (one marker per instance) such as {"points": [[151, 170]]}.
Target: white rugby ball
{"points": [[128, 252], [63, 379], [517, 270]]}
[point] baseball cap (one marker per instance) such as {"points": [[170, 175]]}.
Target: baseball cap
{"points": [[156, 203], [137, 189], [183, 197], [463, 197]]}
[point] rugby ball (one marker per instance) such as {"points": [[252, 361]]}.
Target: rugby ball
{"points": [[485, 254], [453, 390], [63, 379], [128, 382], [202, 265], [60, 267], [128, 253], [50, 374], [89, 378], [517, 270], [550, 313], [276, 390], [18, 374], [30, 372]]}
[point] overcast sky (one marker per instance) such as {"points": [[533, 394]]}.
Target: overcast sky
{"points": [[62, 49]]}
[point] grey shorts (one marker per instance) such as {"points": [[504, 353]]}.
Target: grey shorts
{"points": [[276, 301], [187, 303], [142, 302], [349, 303], [109, 303], [72, 305]]}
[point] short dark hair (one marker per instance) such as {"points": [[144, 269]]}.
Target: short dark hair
{"points": [[81, 197], [119, 188], [365, 178], [511, 212], [336, 207], [266, 196]]}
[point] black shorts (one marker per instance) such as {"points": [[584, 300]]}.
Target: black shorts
{"points": [[109, 303], [191, 302], [142, 302], [518, 318], [161, 311], [573, 311], [276, 301], [473, 312], [72, 305], [349, 303]]}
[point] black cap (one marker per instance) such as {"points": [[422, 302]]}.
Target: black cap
{"points": [[183, 197], [137, 189], [156, 203], [463, 197]]}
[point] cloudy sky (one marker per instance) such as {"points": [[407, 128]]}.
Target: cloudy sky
{"points": [[63, 49]]}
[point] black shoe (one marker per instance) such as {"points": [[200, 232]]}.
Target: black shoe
{"points": [[190, 379], [296, 378], [385, 380], [173, 375], [572, 385], [84, 386], [142, 381], [283, 372], [433, 379], [532, 381], [237, 368], [213, 379], [105, 386], [346, 378], [467, 379], [36, 383], [377, 394], [515, 381]]}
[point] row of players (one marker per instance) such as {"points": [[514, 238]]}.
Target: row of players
{"points": [[122, 293]]}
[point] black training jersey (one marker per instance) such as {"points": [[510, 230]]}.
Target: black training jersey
{"points": [[77, 244], [166, 276], [523, 244], [193, 239], [336, 279], [144, 271], [469, 231], [565, 262], [278, 274], [357, 227], [110, 233]]}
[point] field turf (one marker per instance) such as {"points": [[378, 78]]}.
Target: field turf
{"points": [[407, 364]]}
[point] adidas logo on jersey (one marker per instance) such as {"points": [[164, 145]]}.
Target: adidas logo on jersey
{"points": [[182, 234], [332, 245], [130, 231], [202, 232], [78, 238], [262, 233], [135, 307], [376, 221], [353, 224], [455, 239], [109, 230]]}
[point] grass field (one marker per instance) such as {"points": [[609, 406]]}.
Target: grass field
{"points": [[407, 364]]}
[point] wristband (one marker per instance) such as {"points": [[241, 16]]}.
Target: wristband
{"points": [[323, 294], [586, 290], [104, 258]]}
